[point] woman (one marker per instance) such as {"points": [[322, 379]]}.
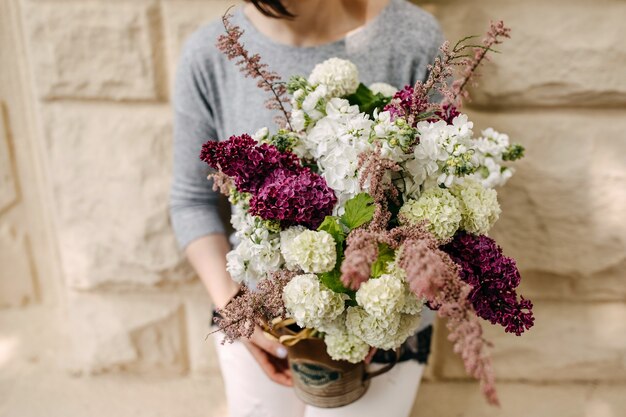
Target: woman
{"points": [[390, 41]]}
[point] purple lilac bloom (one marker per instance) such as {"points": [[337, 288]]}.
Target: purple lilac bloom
{"points": [[294, 198], [282, 189], [447, 112], [494, 278], [247, 162]]}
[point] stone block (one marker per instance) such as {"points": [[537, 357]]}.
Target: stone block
{"points": [[458, 399], [17, 275], [182, 17], [110, 173], [198, 310], [562, 53], [8, 186], [569, 342], [95, 50], [563, 210], [131, 333]]}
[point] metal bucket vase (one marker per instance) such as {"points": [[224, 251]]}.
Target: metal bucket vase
{"points": [[323, 382]]}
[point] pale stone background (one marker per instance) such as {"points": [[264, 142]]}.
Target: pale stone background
{"points": [[100, 316]]}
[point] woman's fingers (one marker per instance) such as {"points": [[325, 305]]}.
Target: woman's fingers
{"points": [[276, 369], [269, 346]]}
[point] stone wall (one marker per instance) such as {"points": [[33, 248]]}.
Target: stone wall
{"points": [[87, 189]]}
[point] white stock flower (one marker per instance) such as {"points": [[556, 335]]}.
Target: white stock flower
{"points": [[479, 206], [261, 134], [439, 207], [346, 346], [444, 152], [340, 76], [313, 251], [310, 302], [250, 261], [298, 120], [385, 89], [382, 296], [376, 332]]}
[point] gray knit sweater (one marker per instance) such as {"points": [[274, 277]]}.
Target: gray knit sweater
{"points": [[213, 100]]}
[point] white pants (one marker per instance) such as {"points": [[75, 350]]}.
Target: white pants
{"points": [[250, 393]]}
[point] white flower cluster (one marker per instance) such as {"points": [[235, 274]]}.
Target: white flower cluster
{"points": [[310, 250], [381, 297], [385, 89], [446, 178], [258, 250], [395, 136], [479, 206], [468, 205], [311, 303], [336, 142], [439, 207], [332, 78], [491, 147], [340, 77], [444, 154]]}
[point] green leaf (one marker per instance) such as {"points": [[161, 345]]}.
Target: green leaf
{"points": [[332, 280], [359, 210], [331, 226], [367, 100], [385, 255]]}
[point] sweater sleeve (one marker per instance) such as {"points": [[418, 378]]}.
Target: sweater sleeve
{"points": [[193, 203]]}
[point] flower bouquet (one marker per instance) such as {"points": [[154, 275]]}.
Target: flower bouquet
{"points": [[368, 205]]}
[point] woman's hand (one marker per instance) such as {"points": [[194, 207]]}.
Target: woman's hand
{"points": [[271, 357]]}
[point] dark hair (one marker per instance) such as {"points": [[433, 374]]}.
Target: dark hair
{"points": [[272, 8]]}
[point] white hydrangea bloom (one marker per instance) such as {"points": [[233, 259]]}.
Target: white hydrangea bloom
{"points": [[313, 251], [412, 303], [382, 296], [310, 302], [286, 245], [479, 206], [376, 332], [346, 346], [439, 207], [385, 89], [340, 76], [409, 323]]}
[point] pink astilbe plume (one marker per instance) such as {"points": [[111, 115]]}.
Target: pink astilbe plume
{"points": [[433, 275], [251, 66], [497, 31], [360, 254], [249, 308], [415, 103], [222, 182], [373, 168]]}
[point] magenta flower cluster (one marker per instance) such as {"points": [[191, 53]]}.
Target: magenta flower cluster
{"points": [[282, 189], [406, 103], [494, 279]]}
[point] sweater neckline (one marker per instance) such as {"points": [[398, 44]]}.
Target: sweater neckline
{"points": [[255, 36]]}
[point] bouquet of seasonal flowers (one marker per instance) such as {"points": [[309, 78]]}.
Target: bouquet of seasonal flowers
{"points": [[368, 204]]}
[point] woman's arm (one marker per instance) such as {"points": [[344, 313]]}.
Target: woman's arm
{"points": [[194, 206]]}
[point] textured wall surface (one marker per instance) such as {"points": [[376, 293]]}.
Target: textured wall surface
{"points": [[127, 319]]}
